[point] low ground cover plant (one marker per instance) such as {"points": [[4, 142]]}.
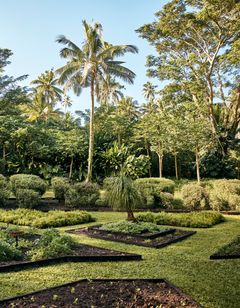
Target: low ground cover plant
{"points": [[51, 244], [38, 219], [193, 219], [230, 249], [132, 227]]}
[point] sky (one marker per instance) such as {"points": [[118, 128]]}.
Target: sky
{"points": [[30, 27]]}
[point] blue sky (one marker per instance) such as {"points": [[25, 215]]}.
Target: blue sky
{"points": [[29, 28]]}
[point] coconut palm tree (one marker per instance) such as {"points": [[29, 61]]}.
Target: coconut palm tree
{"points": [[149, 91], [110, 91], [46, 84], [87, 67]]}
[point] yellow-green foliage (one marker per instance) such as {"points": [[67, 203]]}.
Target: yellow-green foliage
{"points": [[38, 219], [225, 195], [194, 219], [195, 197]]}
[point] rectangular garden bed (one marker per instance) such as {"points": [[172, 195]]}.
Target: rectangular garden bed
{"points": [[80, 253], [154, 240], [229, 251], [124, 293]]}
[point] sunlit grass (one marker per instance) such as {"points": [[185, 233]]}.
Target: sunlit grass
{"points": [[186, 264]]}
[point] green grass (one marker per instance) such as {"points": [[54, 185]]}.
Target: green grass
{"points": [[186, 264]]}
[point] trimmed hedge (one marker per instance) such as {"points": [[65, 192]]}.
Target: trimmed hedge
{"points": [[225, 195], [38, 219], [28, 181], [194, 219], [60, 186], [4, 190], [156, 192], [195, 197], [27, 198], [82, 194]]}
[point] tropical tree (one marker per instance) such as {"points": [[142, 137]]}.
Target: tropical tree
{"points": [[46, 85], [123, 195], [88, 66]]}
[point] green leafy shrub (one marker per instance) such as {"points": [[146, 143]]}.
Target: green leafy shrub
{"points": [[225, 195], [52, 244], [38, 219], [9, 252], [156, 192], [194, 219], [195, 197], [82, 194], [28, 181], [60, 186], [27, 198], [4, 190], [132, 227]]}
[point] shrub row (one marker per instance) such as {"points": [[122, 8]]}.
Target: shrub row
{"points": [[194, 219], [131, 227], [220, 195], [38, 219]]}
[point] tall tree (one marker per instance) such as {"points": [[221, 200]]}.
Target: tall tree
{"points": [[197, 44], [87, 67]]}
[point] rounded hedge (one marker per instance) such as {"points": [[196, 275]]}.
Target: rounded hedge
{"points": [[28, 181], [60, 186], [4, 190], [27, 198], [195, 197]]}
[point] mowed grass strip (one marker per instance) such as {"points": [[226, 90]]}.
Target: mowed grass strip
{"points": [[186, 264]]}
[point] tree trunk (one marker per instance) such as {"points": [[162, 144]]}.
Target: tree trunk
{"points": [[176, 166], [71, 168], [130, 215], [91, 136], [4, 158], [198, 166], [149, 155], [160, 159]]}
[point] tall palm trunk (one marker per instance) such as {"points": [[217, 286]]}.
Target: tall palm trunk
{"points": [[91, 135]]}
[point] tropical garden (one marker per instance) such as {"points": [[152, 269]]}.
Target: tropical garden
{"points": [[126, 180]]}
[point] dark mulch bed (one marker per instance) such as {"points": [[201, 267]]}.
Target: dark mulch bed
{"points": [[81, 253], [124, 293], [154, 240]]}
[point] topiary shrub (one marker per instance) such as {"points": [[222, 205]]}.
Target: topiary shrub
{"points": [[60, 186], [82, 194], [4, 190], [156, 191], [225, 195], [195, 197], [27, 198], [28, 181]]}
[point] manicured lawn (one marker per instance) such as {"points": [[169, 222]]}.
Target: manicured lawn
{"points": [[186, 264]]}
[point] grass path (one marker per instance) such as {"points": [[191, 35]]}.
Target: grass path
{"points": [[186, 264]]}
